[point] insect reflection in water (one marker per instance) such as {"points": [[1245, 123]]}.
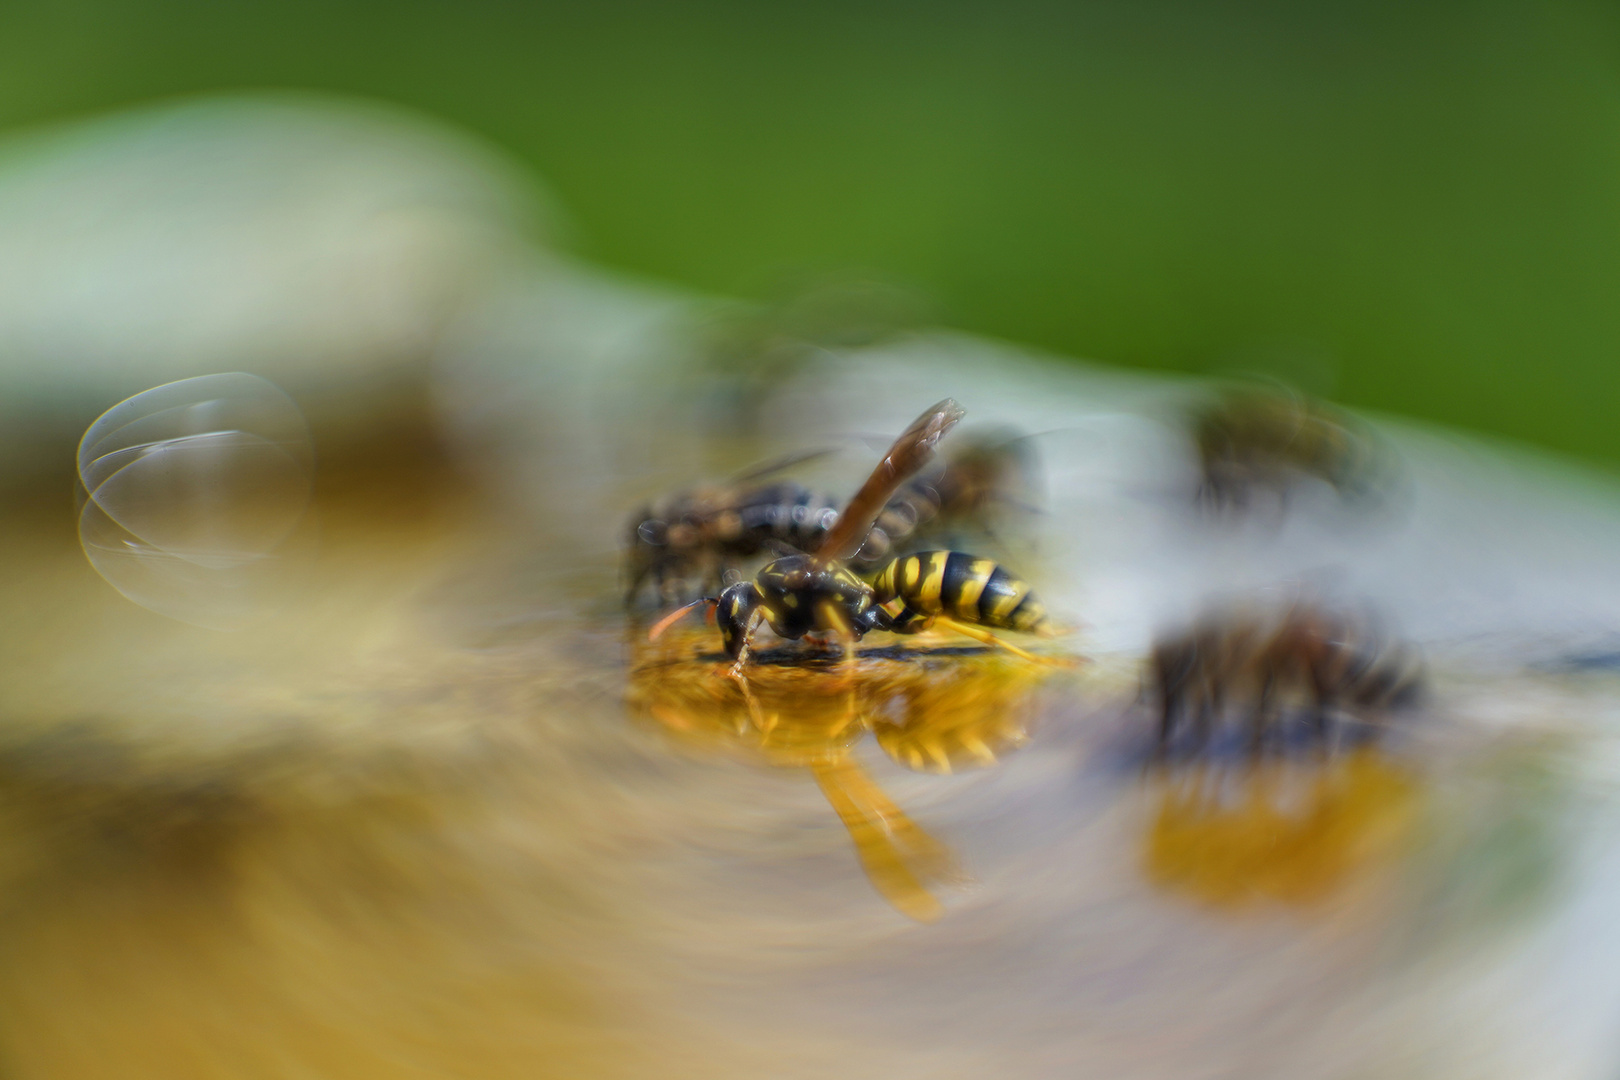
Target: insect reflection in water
{"points": [[937, 711], [1277, 831]]}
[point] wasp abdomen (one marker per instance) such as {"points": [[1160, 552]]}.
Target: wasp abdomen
{"points": [[917, 587]]}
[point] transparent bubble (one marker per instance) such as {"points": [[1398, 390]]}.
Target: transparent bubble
{"points": [[196, 498]]}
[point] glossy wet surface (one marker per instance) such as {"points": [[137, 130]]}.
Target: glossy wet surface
{"points": [[449, 815]]}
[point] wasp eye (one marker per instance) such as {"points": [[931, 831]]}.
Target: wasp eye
{"points": [[654, 532]]}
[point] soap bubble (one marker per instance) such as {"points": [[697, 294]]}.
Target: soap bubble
{"points": [[196, 495]]}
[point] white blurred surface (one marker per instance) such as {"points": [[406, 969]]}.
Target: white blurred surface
{"points": [[320, 243]]}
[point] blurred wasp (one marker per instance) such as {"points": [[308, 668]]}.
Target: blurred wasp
{"points": [[694, 538], [1253, 443], [1327, 659], [800, 594]]}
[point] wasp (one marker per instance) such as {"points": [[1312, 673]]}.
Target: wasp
{"points": [[703, 534], [801, 594], [1328, 659], [1251, 443]]}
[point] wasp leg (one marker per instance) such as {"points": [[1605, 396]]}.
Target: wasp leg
{"points": [[852, 711], [979, 633], [1172, 673], [745, 643], [756, 716], [1265, 711], [737, 671], [1183, 716], [633, 585], [838, 619], [897, 855], [1207, 710], [1322, 699], [738, 614], [1173, 705]]}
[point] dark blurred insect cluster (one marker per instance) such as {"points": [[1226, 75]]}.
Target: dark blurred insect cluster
{"points": [[747, 351], [824, 591], [1258, 446], [763, 552], [703, 539], [1270, 664], [848, 572], [694, 540]]}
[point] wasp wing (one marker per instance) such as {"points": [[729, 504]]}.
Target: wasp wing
{"points": [[910, 452]]}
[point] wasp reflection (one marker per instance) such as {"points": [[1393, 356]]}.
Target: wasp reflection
{"points": [[1277, 831], [931, 710]]}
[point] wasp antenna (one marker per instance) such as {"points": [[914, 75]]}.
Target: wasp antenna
{"points": [[677, 615], [776, 465]]}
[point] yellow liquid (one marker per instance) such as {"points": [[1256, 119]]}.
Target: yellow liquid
{"points": [[446, 816]]}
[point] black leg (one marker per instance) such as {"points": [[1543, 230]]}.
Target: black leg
{"points": [[1265, 710], [1172, 705], [1322, 700]]}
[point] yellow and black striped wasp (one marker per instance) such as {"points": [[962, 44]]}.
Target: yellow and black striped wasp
{"points": [[800, 594]]}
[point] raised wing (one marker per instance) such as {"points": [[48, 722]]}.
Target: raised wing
{"points": [[910, 452]]}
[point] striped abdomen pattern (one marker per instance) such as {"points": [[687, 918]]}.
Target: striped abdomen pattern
{"points": [[914, 588]]}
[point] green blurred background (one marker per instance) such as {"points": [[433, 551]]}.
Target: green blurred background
{"points": [[1413, 208]]}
